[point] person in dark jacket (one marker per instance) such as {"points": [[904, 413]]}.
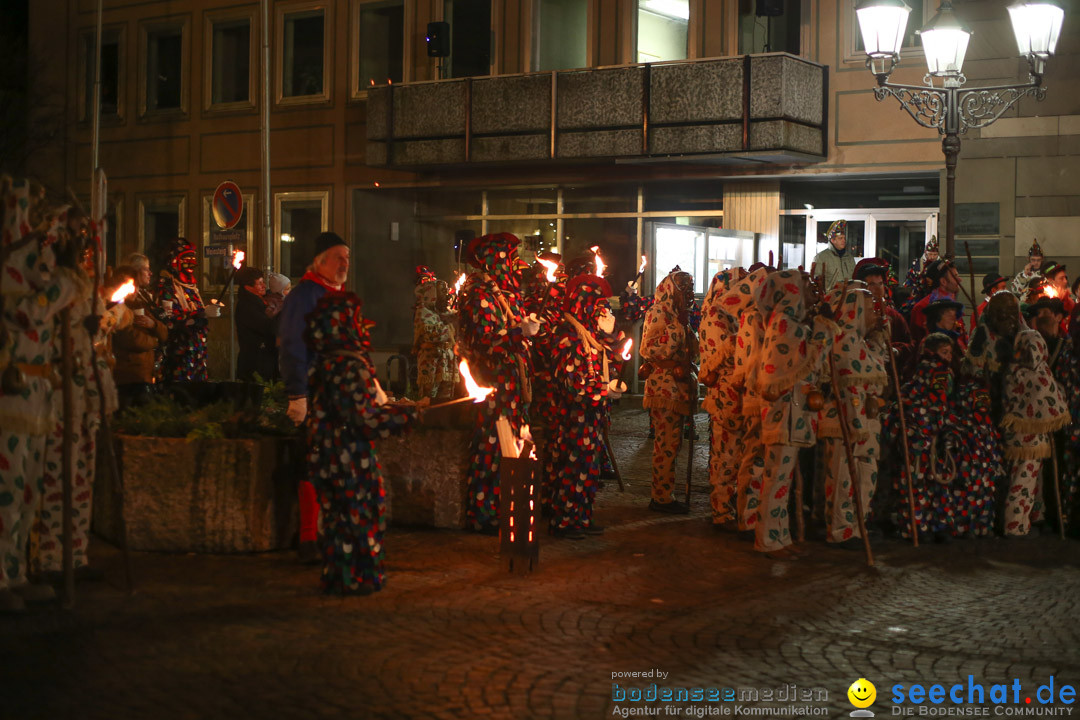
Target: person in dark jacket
{"points": [[135, 347], [328, 272], [256, 331]]}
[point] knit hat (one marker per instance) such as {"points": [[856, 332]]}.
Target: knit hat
{"points": [[1035, 248], [278, 283], [325, 241], [871, 266]]}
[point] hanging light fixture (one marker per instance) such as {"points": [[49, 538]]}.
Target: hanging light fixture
{"points": [[1037, 27], [945, 41]]}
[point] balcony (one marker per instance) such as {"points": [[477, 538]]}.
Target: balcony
{"points": [[751, 109]]}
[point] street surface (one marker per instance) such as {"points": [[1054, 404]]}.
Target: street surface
{"points": [[454, 636]]}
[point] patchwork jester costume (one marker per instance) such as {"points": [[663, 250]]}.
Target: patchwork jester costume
{"points": [[433, 339], [730, 293], [916, 274], [34, 291], [670, 347], [346, 415], [788, 369], [184, 354], [583, 368], [494, 340], [860, 380]]}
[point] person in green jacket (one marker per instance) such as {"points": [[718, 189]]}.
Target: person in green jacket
{"points": [[834, 263]]}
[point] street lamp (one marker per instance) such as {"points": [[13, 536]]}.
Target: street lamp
{"points": [[949, 107]]}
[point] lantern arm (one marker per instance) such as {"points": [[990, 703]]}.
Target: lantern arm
{"points": [[979, 107], [927, 105]]}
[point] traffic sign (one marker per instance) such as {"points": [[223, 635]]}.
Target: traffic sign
{"points": [[228, 205]]}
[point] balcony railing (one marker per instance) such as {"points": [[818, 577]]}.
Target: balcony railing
{"points": [[767, 108]]}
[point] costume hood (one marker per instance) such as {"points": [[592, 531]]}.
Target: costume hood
{"points": [[785, 349], [586, 296], [338, 323], [493, 255], [179, 249], [1034, 404]]}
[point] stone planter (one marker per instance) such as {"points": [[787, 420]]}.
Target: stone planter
{"points": [[216, 496]]}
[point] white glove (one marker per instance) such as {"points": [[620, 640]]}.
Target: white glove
{"points": [[380, 395], [297, 410], [530, 325], [606, 322]]}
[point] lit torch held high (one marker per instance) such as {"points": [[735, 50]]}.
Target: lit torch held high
{"points": [[477, 394], [627, 347], [600, 265], [128, 288], [237, 261], [551, 266]]}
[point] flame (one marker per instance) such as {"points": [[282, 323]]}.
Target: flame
{"points": [[551, 266], [523, 435], [238, 259], [625, 354], [641, 267], [600, 265], [1051, 291], [123, 291], [459, 283], [476, 392]]}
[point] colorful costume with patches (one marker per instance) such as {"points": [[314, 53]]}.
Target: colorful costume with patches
{"points": [[670, 347], [860, 379], [1034, 407], [1022, 281], [728, 296], [433, 340], [743, 376], [494, 344], [582, 368], [788, 369], [916, 274], [184, 354], [34, 291], [344, 419]]}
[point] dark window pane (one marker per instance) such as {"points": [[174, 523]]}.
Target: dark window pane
{"points": [[600, 198], [110, 77], [759, 34], [231, 64], [302, 63], [470, 37], [561, 34], [382, 43], [164, 69], [162, 227], [301, 222]]}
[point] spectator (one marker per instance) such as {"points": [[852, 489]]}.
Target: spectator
{"points": [[140, 265], [135, 348], [256, 331], [275, 297], [835, 264], [327, 273]]}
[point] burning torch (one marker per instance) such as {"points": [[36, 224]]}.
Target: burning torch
{"points": [[237, 261], [477, 394], [128, 288]]}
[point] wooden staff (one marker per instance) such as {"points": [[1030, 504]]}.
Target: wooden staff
{"points": [[800, 521], [903, 432], [66, 451], [971, 278], [846, 436], [1057, 484], [611, 456]]}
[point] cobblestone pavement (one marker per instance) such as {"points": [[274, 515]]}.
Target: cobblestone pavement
{"points": [[453, 636]]}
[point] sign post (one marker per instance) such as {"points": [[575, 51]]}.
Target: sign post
{"points": [[227, 208]]}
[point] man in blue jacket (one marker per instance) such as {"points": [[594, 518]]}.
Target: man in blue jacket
{"points": [[327, 272]]}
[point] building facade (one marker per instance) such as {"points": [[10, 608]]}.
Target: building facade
{"points": [[691, 131]]}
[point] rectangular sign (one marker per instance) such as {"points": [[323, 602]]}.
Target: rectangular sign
{"points": [[216, 250], [978, 219]]}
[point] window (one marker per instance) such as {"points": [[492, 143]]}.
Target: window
{"points": [[114, 218], [111, 63], [304, 60], [768, 33], [561, 34], [219, 243], [662, 29], [161, 221], [230, 61], [299, 217], [378, 44], [163, 70], [470, 36]]}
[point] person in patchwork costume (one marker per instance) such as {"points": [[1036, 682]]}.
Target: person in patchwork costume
{"points": [[495, 341], [857, 372], [670, 347], [788, 371], [348, 413], [433, 339], [1031, 271], [184, 355]]}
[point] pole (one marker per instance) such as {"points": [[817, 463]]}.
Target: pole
{"points": [[265, 132], [950, 145], [232, 331], [971, 278], [95, 119], [1057, 483], [66, 448], [907, 448], [841, 408], [611, 456]]}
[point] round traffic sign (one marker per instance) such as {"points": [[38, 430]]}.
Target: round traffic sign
{"points": [[228, 205]]}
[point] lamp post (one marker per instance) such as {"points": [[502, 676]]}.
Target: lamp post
{"points": [[951, 107]]}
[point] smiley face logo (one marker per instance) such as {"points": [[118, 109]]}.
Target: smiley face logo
{"points": [[862, 693]]}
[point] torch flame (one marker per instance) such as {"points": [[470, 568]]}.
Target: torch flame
{"points": [[551, 266], [600, 265], [1051, 291], [523, 435], [625, 354], [238, 259], [476, 392], [641, 267], [123, 291], [459, 283]]}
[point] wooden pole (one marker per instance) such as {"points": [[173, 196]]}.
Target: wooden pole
{"points": [[971, 279], [1057, 482], [907, 448], [800, 521], [66, 451]]}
